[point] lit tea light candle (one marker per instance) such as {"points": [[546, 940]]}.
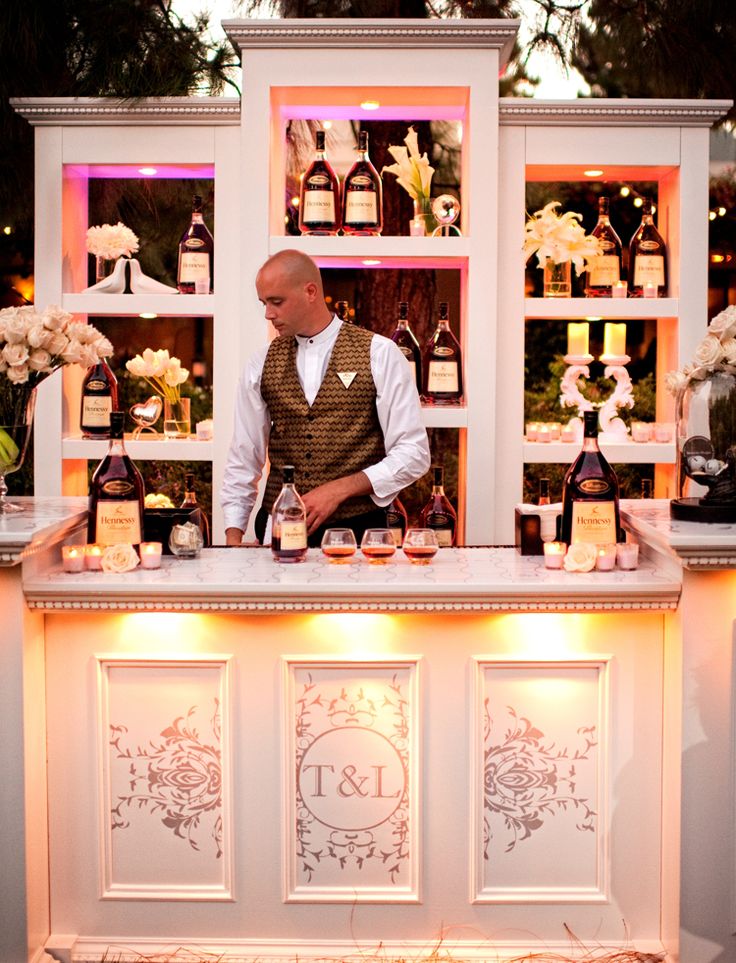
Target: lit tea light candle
{"points": [[650, 289], [627, 555], [567, 434], [640, 431], [93, 558], [554, 554], [619, 289], [151, 554], [577, 338], [543, 433], [531, 431], [606, 558], [72, 558], [555, 430], [614, 340], [662, 433]]}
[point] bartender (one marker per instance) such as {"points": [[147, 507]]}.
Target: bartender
{"points": [[334, 400]]}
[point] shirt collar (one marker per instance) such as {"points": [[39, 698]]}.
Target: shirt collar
{"points": [[326, 334]]}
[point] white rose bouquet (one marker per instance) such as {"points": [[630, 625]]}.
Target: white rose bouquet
{"points": [[163, 373], [559, 238], [33, 344], [716, 352]]}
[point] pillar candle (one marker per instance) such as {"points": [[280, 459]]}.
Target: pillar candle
{"points": [[577, 338], [614, 340]]}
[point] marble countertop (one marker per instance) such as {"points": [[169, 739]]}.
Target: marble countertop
{"points": [[249, 579], [41, 521], [697, 545]]}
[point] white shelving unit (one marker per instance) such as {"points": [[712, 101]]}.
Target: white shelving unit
{"points": [[428, 70], [77, 141], [633, 140]]}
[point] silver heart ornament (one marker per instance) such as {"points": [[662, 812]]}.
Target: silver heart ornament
{"points": [[147, 413]]}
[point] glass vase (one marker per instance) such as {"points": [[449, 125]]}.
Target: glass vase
{"points": [[104, 266], [177, 418], [706, 448], [557, 279], [17, 406], [423, 222]]}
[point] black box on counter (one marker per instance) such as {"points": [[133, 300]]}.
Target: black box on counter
{"points": [[534, 525], [158, 522]]}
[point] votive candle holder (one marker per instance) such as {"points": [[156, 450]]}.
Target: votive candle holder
{"points": [[554, 554], [627, 555], [606, 557], [151, 554], [662, 433], [619, 289], [650, 289], [93, 558], [72, 558], [641, 431]]}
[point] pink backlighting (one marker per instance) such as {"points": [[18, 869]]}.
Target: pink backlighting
{"points": [[191, 171]]}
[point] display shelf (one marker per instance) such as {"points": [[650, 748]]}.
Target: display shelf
{"points": [[435, 416], [373, 252], [587, 308], [146, 448], [188, 305], [628, 452]]}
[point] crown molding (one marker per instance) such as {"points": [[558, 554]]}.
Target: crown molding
{"points": [[114, 111], [362, 33], [609, 112]]}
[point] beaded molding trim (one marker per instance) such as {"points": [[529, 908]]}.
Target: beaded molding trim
{"points": [[667, 603], [254, 34], [48, 111], [597, 112]]}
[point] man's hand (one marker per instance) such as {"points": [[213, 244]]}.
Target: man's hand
{"points": [[322, 502]]}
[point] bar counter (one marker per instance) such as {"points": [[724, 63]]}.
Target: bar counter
{"points": [[546, 725]]}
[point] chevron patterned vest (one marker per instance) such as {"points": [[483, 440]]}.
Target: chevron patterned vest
{"points": [[339, 434]]}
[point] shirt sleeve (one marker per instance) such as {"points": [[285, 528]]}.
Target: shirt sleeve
{"points": [[400, 415], [248, 447]]}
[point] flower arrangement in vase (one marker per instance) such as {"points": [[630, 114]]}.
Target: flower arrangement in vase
{"points": [[108, 242], [34, 344], [559, 241], [165, 375], [414, 173]]}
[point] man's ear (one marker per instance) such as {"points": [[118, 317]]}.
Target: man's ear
{"points": [[310, 290]]}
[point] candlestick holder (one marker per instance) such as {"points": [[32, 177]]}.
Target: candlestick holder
{"points": [[612, 428], [570, 394]]}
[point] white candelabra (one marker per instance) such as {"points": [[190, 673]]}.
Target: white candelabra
{"points": [[615, 359]]}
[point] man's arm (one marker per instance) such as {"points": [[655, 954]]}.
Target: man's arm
{"points": [[321, 502], [247, 454]]}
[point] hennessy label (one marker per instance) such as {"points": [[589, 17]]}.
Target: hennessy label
{"points": [[318, 206], [594, 522], [603, 271], [96, 411], [294, 534], [444, 537], [361, 207], [442, 376], [193, 265], [648, 269], [118, 523]]}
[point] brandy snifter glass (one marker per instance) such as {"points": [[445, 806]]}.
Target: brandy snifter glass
{"points": [[339, 545], [420, 545], [378, 545]]}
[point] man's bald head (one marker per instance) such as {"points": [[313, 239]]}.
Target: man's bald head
{"points": [[290, 286], [296, 267]]}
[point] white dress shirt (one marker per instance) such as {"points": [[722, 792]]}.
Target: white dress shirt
{"points": [[397, 404]]}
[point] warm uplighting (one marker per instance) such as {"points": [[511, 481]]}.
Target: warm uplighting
{"points": [[593, 173], [148, 316], [370, 105], [593, 317], [371, 262], [148, 171], [362, 634]]}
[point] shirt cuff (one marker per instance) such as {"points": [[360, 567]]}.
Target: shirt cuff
{"points": [[383, 484]]}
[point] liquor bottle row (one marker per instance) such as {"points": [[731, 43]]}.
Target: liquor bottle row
{"points": [[437, 368], [325, 209], [645, 268], [289, 523]]}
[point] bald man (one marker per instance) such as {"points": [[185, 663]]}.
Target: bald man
{"points": [[337, 402]]}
